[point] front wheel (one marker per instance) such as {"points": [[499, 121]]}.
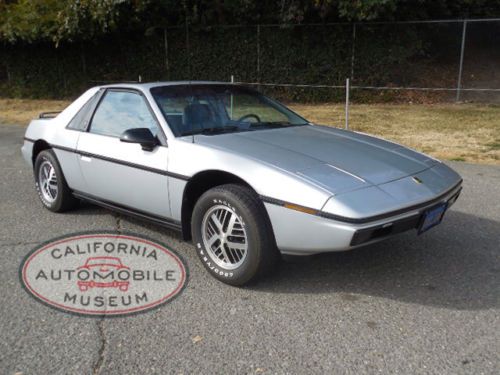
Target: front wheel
{"points": [[233, 235]]}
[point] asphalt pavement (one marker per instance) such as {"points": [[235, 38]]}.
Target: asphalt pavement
{"points": [[412, 304]]}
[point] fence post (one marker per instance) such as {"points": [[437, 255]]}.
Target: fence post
{"points": [[82, 56], [258, 53], [347, 103], [7, 70], [165, 43], [231, 109], [459, 83], [188, 49], [353, 49]]}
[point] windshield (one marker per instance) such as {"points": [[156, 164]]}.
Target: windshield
{"points": [[216, 109]]}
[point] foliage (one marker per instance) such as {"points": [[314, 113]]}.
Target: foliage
{"points": [[57, 20], [69, 20], [29, 20], [302, 54], [56, 48]]}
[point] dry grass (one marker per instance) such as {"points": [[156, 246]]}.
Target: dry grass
{"points": [[21, 111], [465, 132]]}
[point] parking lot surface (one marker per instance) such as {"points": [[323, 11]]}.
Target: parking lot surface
{"points": [[411, 304]]}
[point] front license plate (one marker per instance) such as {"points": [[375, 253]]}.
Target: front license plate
{"points": [[432, 217]]}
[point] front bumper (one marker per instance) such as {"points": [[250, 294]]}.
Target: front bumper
{"points": [[299, 233]]}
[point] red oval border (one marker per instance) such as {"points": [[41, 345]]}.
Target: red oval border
{"points": [[170, 296]]}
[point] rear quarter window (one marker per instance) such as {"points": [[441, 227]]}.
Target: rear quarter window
{"points": [[81, 120]]}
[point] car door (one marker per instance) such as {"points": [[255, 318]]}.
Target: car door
{"points": [[123, 173]]}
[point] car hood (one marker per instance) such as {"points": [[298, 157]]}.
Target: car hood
{"points": [[334, 159]]}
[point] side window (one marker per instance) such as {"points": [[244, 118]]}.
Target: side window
{"points": [[78, 122], [120, 111]]}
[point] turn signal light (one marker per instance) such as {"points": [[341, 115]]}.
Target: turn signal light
{"points": [[300, 208]]}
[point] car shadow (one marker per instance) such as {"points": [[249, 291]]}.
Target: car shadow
{"points": [[88, 209], [456, 265]]}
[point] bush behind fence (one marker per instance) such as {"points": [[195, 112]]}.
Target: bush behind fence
{"points": [[371, 54]]}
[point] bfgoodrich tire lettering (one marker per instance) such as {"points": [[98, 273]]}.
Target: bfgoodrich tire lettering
{"points": [[50, 183], [233, 235]]}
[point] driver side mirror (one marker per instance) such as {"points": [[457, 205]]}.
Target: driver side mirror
{"points": [[143, 136]]}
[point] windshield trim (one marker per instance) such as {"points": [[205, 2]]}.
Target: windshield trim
{"points": [[242, 130]]}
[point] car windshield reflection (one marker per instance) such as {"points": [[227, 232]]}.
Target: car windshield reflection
{"points": [[218, 109]]}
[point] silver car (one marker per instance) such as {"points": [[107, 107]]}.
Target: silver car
{"points": [[240, 174]]}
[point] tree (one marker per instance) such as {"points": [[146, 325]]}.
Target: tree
{"points": [[68, 20]]}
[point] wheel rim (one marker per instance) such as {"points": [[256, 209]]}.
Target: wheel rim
{"points": [[47, 179], [224, 237]]}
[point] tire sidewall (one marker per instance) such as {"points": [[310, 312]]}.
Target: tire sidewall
{"points": [[248, 268], [49, 156]]}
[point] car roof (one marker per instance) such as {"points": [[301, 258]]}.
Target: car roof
{"points": [[148, 85]]}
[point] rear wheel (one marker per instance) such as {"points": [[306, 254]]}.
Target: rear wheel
{"points": [[51, 184], [233, 235]]}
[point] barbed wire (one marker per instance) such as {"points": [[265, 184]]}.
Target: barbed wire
{"points": [[456, 89], [303, 85], [367, 87], [344, 23], [290, 85]]}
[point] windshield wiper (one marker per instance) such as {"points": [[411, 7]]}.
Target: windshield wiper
{"points": [[213, 130], [273, 124]]}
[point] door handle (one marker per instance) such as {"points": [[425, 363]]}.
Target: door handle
{"points": [[85, 158]]}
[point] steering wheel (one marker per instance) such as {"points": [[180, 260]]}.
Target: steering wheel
{"points": [[250, 115]]}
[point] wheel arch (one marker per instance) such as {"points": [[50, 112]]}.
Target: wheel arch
{"points": [[199, 184], [39, 146]]}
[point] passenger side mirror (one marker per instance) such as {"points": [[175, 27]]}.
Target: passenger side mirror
{"points": [[143, 136]]}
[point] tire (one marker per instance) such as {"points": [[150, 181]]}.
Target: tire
{"points": [[235, 254], [55, 195]]}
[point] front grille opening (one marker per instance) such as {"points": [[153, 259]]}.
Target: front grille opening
{"points": [[380, 232], [368, 234]]}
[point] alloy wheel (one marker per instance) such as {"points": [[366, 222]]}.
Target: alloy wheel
{"points": [[224, 237], [47, 179]]}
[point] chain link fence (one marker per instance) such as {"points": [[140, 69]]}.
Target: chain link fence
{"points": [[440, 60], [444, 60]]}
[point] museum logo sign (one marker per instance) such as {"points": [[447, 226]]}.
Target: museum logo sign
{"points": [[103, 274]]}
